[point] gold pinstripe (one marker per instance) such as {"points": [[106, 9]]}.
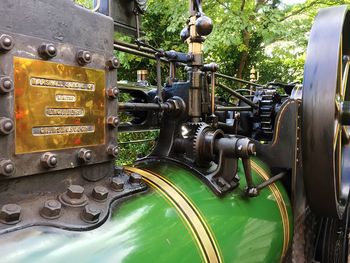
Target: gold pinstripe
{"points": [[198, 227]]}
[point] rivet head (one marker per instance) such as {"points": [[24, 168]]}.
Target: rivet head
{"points": [[6, 85], [47, 51], [48, 160], [113, 121], [6, 126], [117, 184], [113, 92], [113, 150], [51, 209], [91, 214], [135, 178], [113, 63], [84, 57], [6, 42], [85, 155], [100, 193], [10, 214], [7, 168]]}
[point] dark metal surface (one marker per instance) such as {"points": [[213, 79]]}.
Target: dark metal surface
{"points": [[321, 145]]}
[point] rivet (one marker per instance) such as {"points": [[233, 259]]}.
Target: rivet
{"points": [[135, 178], [84, 57], [113, 121], [6, 43], [100, 193], [51, 209], [48, 160], [113, 150], [6, 126], [47, 51], [7, 168], [85, 155], [117, 184], [6, 85], [113, 92], [113, 63], [91, 214], [10, 214]]}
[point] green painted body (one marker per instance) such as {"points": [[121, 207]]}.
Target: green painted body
{"points": [[147, 228]]}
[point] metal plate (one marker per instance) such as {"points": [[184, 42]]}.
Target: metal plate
{"points": [[57, 106]]}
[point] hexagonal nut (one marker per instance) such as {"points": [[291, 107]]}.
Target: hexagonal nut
{"points": [[47, 51], [117, 184], [6, 126], [6, 85], [113, 150], [113, 92], [6, 42], [10, 214], [91, 214], [84, 57], [118, 170], [7, 168], [100, 193], [75, 191], [48, 160], [113, 63], [51, 209], [85, 155], [135, 178], [113, 121]]}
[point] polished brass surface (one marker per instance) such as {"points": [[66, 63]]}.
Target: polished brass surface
{"points": [[57, 106]]}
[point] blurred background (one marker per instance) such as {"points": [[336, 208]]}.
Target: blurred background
{"points": [[268, 37]]}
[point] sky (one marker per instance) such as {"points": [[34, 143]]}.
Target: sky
{"points": [[289, 2]]}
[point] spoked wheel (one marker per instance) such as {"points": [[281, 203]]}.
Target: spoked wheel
{"points": [[326, 113]]}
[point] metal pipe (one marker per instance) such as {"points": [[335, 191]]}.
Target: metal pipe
{"points": [[159, 79], [238, 96], [134, 46], [97, 7], [137, 141], [213, 94], [137, 53], [233, 108], [130, 106], [238, 80], [271, 180]]}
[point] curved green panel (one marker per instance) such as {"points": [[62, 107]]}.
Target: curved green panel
{"points": [[151, 228]]}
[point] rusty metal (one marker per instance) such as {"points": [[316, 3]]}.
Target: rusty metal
{"points": [[47, 51], [91, 214], [84, 57], [117, 184], [135, 178], [113, 92], [48, 160], [10, 214], [100, 193], [113, 63], [51, 210]]}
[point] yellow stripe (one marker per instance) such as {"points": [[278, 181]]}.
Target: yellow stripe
{"points": [[281, 205], [187, 211]]}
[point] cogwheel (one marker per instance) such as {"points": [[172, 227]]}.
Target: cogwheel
{"points": [[197, 143]]}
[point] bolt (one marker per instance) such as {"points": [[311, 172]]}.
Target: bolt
{"points": [[135, 178], [6, 43], [48, 160], [85, 155], [118, 170], [117, 184], [113, 121], [252, 192], [10, 214], [47, 51], [251, 149], [91, 214], [113, 150], [6, 85], [6, 126], [113, 63], [113, 92], [51, 209], [7, 167], [100, 193], [75, 191], [84, 57]]}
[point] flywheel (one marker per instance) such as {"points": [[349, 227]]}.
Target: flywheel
{"points": [[326, 115]]}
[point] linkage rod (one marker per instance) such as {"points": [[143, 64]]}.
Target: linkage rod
{"points": [[233, 108], [239, 96], [271, 180], [130, 106], [137, 52], [238, 80], [134, 46]]}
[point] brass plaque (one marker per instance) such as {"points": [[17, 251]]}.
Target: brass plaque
{"points": [[57, 106]]}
